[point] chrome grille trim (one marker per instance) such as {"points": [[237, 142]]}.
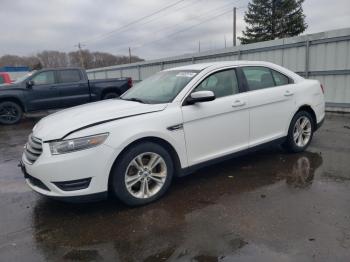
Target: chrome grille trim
{"points": [[33, 149]]}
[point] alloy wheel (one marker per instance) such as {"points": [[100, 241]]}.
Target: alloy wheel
{"points": [[8, 113], [145, 175], [302, 131]]}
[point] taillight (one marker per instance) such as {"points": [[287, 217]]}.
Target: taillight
{"points": [[322, 87], [130, 82]]}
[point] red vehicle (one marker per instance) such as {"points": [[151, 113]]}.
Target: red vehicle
{"points": [[5, 78]]}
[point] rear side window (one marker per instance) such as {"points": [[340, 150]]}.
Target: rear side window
{"points": [[223, 83], [258, 77], [69, 76], [2, 80]]}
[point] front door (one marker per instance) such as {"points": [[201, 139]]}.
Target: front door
{"points": [[43, 94], [219, 127]]}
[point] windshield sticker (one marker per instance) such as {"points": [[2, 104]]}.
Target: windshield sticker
{"points": [[186, 74]]}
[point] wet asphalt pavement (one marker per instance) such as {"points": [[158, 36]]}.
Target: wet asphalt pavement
{"points": [[266, 206]]}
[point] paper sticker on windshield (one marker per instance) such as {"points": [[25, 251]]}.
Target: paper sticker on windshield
{"points": [[186, 74]]}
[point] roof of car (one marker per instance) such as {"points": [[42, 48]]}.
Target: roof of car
{"points": [[220, 64]]}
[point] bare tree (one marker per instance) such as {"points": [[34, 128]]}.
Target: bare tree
{"points": [[53, 59]]}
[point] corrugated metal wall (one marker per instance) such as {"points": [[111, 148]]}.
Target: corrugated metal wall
{"points": [[323, 56]]}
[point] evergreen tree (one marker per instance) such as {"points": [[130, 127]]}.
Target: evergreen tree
{"points": [[271, 19]]}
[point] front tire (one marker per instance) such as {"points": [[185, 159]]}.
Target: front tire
{"points": [[10, 113], [142, 174], [300, 132]]}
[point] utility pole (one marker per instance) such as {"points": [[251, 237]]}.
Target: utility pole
{"points": [[199, 46], [225, 40], [129, 55], [234, 26], [79, 45]]}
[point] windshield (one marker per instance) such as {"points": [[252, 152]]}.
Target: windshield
{"points": [[24, 77], [162, 87]]}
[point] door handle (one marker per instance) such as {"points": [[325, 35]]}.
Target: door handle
{"points": [[238, 103], [288, 93]]}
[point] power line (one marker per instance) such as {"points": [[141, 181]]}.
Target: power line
{"points": [[203, 14], [175, 11], [166, 28], [137, 20], [183, 30], [223, 7], [156, 18]]}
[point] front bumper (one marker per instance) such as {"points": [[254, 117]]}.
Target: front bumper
{"points": [[70, 176]]}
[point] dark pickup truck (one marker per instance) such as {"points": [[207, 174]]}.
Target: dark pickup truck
{"points": [[55, 88]]}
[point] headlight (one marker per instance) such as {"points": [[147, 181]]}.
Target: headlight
{"points": [[71, 145]]}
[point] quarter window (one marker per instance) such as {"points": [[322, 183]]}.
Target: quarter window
{"points": [[222, 84], [69, 76], [279, 78], [44, 78]]}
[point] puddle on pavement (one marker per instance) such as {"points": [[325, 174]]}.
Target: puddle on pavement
{"points": [[193, 218]]}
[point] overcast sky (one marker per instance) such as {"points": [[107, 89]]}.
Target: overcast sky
{"points": [[30, 26]]}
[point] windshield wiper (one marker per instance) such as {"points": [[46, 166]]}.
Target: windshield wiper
{"points": [[134, 100]]}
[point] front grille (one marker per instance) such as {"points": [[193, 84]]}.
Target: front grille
{"points": [[33, 149]]}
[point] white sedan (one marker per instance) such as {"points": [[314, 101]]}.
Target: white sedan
{"points": [[170, 124]]}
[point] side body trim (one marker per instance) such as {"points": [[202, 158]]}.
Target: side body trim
{"points": [[191, 169]]}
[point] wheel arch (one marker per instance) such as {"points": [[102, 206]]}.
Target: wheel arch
{"points": [[15, 100], [160, 141], [310, 110], [110, 90]]}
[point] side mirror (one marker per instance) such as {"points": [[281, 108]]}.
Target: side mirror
{"points": [[200, 96], [30, 83]]}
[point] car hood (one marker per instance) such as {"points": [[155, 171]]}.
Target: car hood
{"points": [[62, 123], [11, 86]]}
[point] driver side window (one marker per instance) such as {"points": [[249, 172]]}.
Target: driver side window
{"points": [[44, 78], [223, 83]]}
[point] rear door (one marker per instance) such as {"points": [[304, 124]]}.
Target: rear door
{"points": [[43, 94], [271, 98], [73, 88]]}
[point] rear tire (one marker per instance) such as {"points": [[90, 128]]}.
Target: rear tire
{"points": [[300, 132], [142, 174], [110, 95], [10, 113]]}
